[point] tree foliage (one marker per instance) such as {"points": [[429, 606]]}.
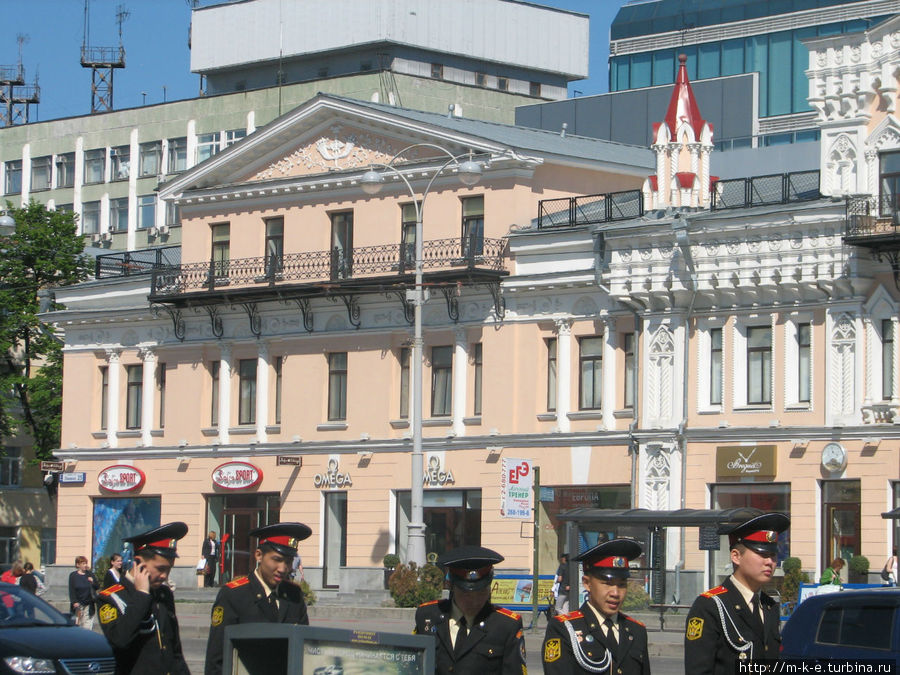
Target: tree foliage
{"points": [[45, 252]]}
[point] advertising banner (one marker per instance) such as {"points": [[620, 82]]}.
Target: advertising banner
{"points": [[514, 590], [515, 488]]}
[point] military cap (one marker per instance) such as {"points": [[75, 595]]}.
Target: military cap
{"points": [[160, 540], [282, 537], [610, 559], [470, 568], [760, 533]]}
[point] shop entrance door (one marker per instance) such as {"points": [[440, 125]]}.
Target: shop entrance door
{"points": [[840, 520], [238, 555], [232, 516], [335, 537]]}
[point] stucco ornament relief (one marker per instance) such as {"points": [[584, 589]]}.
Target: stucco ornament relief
{"points": [[733, 245], [661, 373], [657, 478], [712, 247]]}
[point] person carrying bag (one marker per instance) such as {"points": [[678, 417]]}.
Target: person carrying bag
{"points": [[889, 571]]}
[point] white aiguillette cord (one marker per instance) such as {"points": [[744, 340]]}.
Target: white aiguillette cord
{"points": [[583, 661]]}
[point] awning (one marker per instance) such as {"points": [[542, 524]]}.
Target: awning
{"points": [[586, 517]]}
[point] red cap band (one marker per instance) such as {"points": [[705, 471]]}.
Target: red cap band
{"points": [[611, 561], [280, 540], [162, 543], [763, 536]]}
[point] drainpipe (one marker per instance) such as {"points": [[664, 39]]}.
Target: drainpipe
{"points": [[680, 226]]}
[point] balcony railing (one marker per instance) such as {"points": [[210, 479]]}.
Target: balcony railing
{"points": [[778, 188], [336, 265], [142, 261], [590, 209], [869, 216]]}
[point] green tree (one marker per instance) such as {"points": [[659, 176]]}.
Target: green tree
{"points": [[44, 252]]}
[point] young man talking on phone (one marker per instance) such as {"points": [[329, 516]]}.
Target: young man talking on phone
{"points": [[137, 615]]}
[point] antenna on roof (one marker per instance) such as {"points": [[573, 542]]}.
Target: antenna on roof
{"points": [[562, 132]]}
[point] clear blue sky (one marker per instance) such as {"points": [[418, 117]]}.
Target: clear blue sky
{"points": [[155, 36]]}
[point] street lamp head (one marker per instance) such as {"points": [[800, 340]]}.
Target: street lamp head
{"points": [[469, 172], [7, 225], [371, 182]]}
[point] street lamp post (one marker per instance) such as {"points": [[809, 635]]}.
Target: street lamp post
{"points": [[7, 225], [469, 172]]}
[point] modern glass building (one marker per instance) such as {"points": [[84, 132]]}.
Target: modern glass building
{"points": [[730, 37]]}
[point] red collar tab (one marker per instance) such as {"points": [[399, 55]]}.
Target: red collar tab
{"points": [[470, 575], [611, 561]]}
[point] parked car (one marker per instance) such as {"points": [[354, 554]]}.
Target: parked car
{"points": [[850, 624], [35, 637]]}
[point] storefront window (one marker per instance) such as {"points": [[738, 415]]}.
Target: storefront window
{"points": [[763, 496], [452, 518], [840, 519], [232, 517], [117, 518]]}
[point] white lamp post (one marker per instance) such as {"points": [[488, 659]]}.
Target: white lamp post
{"points": [[7, 225], [469, 173]]}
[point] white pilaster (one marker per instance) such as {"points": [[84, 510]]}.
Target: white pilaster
{"points": [[460, 369], [148, 376], [112, 396], [262, 392], [224, 393], [563, 373]]}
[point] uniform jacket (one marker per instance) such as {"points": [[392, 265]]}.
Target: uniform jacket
{"points": [[629, 657], [495, 643], [142, 629], [244, 600], [706, 644]]}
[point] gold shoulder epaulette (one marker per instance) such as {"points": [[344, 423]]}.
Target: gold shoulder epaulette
{"points": [[240, 581], [508, 612], [571, 615], [430, 602], [112, 589], [632, 619], [718, 590]]}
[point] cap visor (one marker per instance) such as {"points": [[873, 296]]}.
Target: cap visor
{"points": [[478, 585]]}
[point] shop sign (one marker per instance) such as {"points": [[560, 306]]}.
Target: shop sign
{"points": [[332, 477], [435, 476], [121, 478], [55, 467], [745, 461], [289, 460], [236, 476], [72, 478], [515, 488]]}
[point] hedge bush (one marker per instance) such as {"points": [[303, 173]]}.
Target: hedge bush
{"points": [[410, 585]]}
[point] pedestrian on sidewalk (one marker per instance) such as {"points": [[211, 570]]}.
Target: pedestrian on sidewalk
{"points": [[114, 573], [832, 574], [267, 595], [82, 588], [210, 552], [28, 581]]}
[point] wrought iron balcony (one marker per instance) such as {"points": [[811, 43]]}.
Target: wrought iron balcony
{"points": [[387, 264], [872, 220], [590, 209], [777, 188], [142, 261]]}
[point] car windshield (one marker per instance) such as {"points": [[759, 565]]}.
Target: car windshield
{"points": [[20, 608]]}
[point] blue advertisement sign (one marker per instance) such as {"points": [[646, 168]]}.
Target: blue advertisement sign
{"points": [[120, 517]]}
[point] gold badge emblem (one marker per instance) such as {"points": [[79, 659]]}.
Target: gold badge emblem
{"points": [[108, 613], [694, 629], [552, 650], [771, 536], [218, 615]]}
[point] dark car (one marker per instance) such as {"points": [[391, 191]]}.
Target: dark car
{"points": [[850, 624], [37, 638]]}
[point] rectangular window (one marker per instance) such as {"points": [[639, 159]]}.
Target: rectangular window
{"points": [[173, 213], [441, 381], [133, 396], [48, 546], [715, 366], [161, 387], [274, 246], [759, 365], [408, 236], [437, 71], [40, 173], [214, 409], [341, 245], [337, 386], [590, 385], [9, 545], [887, 360], [503, 83], [804, 353], [247, 402], [628, 344], [477, 364], [551, 374], [207, 146], [10, 467], [120, 162], [221, 249], [118, 214], [104, 394], [150, 158], [534, 88], [176, 157], [13, 177], [94, 165], [279, 362], [472, 226], [480, 79], [65, 170], [404, 383], [232, 136], [146, 211], [90, 217]]}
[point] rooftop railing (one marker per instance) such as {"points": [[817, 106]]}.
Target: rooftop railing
{"points": [[590, 209], [778, 188], [141, 261]]}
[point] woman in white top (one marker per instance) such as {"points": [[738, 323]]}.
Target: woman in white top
{"points": [[891, 566]]}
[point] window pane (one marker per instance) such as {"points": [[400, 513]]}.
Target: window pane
{"points": [[146, 211], [214, 377], [94, 165], [591, 386], [247, 405], [803, 345], [13, 177], [177, 155], [150, 158], [887, 359], [404, 383], [278, 382], [477, 355], [65, 170], [90, 217], [121, 162], [551, 374], [40, 173], [715, 366], [441, 381], [628, 344], [118, 214], [133, 397], [337, 386]]}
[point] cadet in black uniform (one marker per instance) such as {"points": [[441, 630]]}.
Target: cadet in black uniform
{"points": [[598, 638], [137, 614], [472, 636], [265, 596], [737, 621]]}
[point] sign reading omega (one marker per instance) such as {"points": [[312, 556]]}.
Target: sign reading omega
{"points": [[332, 477], [435, 475]]}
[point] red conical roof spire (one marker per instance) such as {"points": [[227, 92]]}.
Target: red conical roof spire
{"points": [[683, 105]]}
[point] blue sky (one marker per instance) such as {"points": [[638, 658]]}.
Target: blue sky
{"points": [[155, 35]]}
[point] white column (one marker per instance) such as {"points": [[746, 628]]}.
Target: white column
{"points": [[460, 369], [262, 392], [147, 393], [610, 342], [224, 393], [112, 396], [563, 373]]}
